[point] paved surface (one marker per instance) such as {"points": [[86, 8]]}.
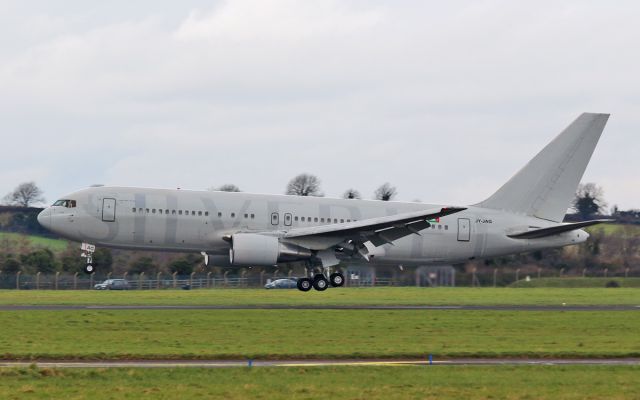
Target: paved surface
{"points": [[315, 363], [320, 307]]}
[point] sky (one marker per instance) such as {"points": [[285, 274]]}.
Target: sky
{"points": [[444, 100]]}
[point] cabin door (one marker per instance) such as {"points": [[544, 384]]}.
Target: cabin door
{"points": [[464, 229], [108, 210]]}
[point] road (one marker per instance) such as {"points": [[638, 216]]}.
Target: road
{"points": [[316, 363], [321, 307]]}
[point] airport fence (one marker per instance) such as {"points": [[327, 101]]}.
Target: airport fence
{"points": [[81, 281]]}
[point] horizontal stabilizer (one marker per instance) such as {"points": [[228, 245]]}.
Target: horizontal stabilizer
{"points": [[555, 230]]}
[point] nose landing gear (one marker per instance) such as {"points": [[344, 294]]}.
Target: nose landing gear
{"points": [[87, 252]]}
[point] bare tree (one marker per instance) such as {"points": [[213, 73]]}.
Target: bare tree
{"points": [[25, 195], [385, 192], [589, 200], [351, 194], [227, 187], [304, 185]]}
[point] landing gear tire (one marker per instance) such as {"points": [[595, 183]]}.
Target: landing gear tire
{"points": [[320, 283], [89, 269], [336, 279], [304, 284]]}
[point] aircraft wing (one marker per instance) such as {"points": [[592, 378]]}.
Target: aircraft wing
{"points": [[557, 229], [378, 231]]}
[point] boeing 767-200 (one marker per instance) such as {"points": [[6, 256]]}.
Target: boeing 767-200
{"points": [[244, 229]]}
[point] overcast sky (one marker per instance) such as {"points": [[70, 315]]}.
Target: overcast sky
{"points": [[445, 100]]}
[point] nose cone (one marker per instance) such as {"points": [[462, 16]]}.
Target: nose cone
{"points": [[44, 218]]}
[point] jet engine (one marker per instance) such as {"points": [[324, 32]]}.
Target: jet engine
{"points": [[256, 249]]}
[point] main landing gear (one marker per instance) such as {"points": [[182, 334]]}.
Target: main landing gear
{"points": [[320, 282]]}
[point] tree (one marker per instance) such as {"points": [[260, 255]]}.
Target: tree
{"points": [[41, 260], [11, 265], [227, 187], [385, 192], [304, 185], [25, 195], [142, 264], [181, 266], [589, 200], [351, 194], [103, 259]]}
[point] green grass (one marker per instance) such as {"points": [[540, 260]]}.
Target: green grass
{"points": [[342, 296], [279, 334], [408, 382], [55, 245], [610, 229], [576, 283]]}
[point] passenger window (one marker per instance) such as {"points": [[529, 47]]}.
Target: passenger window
{"points": [[348, 220], [173, 212], [206, 213], [153, 210], [295, 218], [322, 220], [186, 212], [147, 211], [446, 227], [335, 220], [179, 212], [302, 219], [219, 214], [246, 216], [253, 216], [199, 213], [193, 213], [166, 212], [439, 226], [133, 209], [233, 215], [341, 221], [275, 218], [315, 219]]}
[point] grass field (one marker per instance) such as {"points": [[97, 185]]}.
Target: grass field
{"points": [[279, 334], [407, 382], [610, 229], [55, 245], [576, 283], [342, 296]]}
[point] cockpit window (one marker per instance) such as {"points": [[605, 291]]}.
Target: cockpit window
{"points": [[65, 203]]}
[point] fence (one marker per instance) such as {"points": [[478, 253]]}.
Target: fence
{"points": [[81, 281]]}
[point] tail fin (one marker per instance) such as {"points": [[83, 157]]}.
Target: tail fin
{"points": [[545, 186]]}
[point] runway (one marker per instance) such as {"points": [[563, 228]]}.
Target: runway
{"points": [[315, 363], [559, 307]]}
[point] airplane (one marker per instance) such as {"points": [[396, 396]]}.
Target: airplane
{"points": [[244, 229]]}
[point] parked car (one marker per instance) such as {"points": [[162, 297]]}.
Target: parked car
{"points": [[287, 283], [112, 284]]}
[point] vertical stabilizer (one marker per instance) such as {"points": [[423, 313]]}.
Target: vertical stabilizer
{"points": [[545, 186]]}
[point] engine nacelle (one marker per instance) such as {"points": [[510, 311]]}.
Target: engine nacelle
{"points": [[255, 249]]}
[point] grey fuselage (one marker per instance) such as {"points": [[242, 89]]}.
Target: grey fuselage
{"points": [[198, 221]]}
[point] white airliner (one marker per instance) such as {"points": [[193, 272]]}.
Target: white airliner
{"points": [[244, 229]]}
